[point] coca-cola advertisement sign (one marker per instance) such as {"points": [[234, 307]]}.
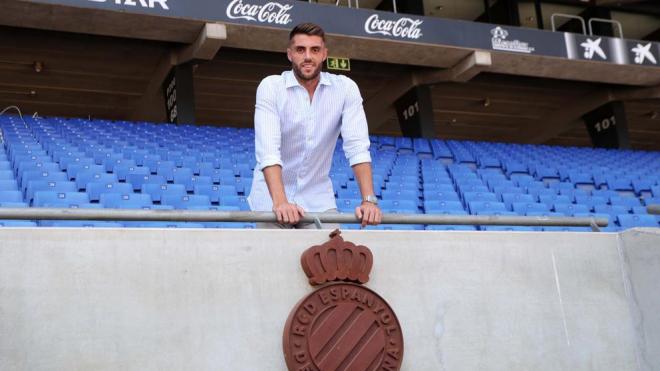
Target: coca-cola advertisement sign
{"points": [[405, 28], [272, 12]]}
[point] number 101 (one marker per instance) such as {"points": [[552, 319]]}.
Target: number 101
{"points": [[605, 124]]}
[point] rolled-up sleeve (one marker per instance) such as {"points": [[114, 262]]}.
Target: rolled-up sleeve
{"points": [[267, 134], [354, 129]]}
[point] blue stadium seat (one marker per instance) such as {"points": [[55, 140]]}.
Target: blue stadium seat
{"points": [[441, 196], [219, 176], [349, 193], [642, 187], [185, 201], [570, 209], [451, 228], [147, 224], [479, 196], [526, 207], [567, 229], [543, 191], [399, 206], [510, 198], [508, 228], [619, 184], [166, 169], [157, 191], [215, 191], [521, 180], [488, 162], [47, 185], [610, 209], [96, 189], [590, 201], [88, 176], [17, 223], [111, 164], [232, 225], [436, 182], [79, 224], [562, 186], [606, 193], [137, 180], [442, 207], [125, 200], [392, 227], [8, 185], [405, 194], [652, 201], [486, 207], [639, 210], [59, 199], [511, 167], [580, 177], [24, 168], [628, 202], [635, 220], [56, 176], [422, 148], [545, 173], [152, 161], [68, 161], [74, 169], [655, 190], [11, 196], [230, 201], [552, 199], [124, 170]]}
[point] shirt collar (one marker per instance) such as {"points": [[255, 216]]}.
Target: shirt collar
{"points": [[290, 79]]}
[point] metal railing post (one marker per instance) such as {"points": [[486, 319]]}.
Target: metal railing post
{"points": [[562, 15], [604, 20]]}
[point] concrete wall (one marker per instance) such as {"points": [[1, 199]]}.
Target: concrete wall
{"points": [[81, 299]]}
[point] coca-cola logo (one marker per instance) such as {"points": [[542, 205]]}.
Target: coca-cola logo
{"points": [[406, 28], [272, 12]]}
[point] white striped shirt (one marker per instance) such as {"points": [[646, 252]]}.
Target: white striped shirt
{"points": [[301, 136]]}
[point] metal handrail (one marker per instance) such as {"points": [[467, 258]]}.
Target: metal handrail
{"points": [[604, 20], [653, 209], [38, 213], [571, 16]]}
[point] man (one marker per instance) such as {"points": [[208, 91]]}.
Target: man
{"points": [[298, 118]]}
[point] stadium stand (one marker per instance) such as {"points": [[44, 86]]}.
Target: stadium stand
{"points": [[119, 164]]}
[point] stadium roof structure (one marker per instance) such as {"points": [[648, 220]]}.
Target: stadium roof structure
{"points": [[108, 59]]}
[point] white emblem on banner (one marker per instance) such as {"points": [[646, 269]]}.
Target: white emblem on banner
{"points": [[592, 47], [405, 28], [643, 53], [500, 43], [141, 3], [272, 12]]}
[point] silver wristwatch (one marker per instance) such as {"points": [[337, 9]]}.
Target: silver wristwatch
{"points": [[371, 198]]}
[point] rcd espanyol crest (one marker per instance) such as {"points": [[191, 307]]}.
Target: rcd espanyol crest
{"points": [[342, 325]]}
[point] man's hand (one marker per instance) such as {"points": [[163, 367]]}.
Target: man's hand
{"points": [[369, 213], [288, 213]]}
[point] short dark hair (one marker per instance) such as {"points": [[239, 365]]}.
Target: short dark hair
{"points": [[310, 29]]}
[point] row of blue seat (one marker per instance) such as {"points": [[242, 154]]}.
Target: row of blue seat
{"points": [[408, 175]]}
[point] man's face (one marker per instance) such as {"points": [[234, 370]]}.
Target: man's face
{"points": [[307, 54]]}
